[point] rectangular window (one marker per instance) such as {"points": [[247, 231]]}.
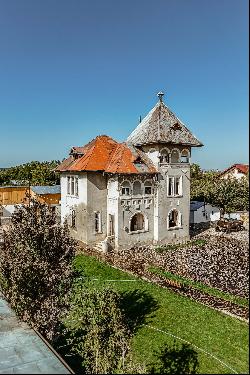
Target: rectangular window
{"points": [[174, 187], [76, 186], [73, 219], [171, 186], [125, 191], [72, 186], [148, 190], [68, 185], [98, 224]]}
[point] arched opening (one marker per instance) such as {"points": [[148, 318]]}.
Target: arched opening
{"points": [[164, 156], [137, 188], [126, 188], [175, 156], [137, 222], [174, 218], [185, 156]]}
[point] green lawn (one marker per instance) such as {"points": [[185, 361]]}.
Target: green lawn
{"points": [[220, 335]]}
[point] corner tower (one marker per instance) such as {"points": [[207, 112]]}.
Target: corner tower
{"points": [[168, 142]]}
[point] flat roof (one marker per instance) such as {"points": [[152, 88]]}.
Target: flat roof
{"points": [[22, 350]]}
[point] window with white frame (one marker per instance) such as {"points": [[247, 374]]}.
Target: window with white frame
{"points": [[76, 186], [174, 186], [174, 219], [98, 222], [72, 186], [68, 185]]}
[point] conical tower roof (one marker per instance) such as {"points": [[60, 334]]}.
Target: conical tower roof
{"points": [[162, 126]]}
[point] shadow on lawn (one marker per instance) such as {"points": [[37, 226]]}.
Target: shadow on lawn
{"points": [[137, 305], [175, 359]]}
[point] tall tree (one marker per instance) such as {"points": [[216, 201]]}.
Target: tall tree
{"points": [[35, 267]]}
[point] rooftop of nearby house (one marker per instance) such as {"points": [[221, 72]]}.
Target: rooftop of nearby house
{"points": [[44, 190], [243, 168]]}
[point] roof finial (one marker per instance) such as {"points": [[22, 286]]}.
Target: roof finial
{"points": [[160, 95]]}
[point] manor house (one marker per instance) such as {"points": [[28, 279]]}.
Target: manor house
{"points": [[131, 193]]}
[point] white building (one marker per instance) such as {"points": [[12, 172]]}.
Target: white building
{"points": [[136, 192], [201, 212], [235, 171]]}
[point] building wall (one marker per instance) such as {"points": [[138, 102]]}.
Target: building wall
{"points": [[10, 195], [211, 213], [167, 203], [77, 203], [47, 198], [128, 207]]}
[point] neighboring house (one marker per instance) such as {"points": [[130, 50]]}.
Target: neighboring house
{"points": [[132, 192], [11, 196], [237, 171], [201, 212], [47, 194]]}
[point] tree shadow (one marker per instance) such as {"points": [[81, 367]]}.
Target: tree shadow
{"points": [[62, 347], [175, 360], [136, 306]]}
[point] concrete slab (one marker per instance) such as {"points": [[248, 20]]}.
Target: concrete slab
{"points": [[22, 351]]}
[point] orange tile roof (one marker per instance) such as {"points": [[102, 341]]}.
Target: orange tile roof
{"points": [[105, 154]]}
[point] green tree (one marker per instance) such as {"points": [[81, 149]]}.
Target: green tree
{"points": [[35, 267], [97, 330]]}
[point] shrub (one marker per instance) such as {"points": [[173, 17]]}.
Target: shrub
{"points": [[35, 267], [97, 330]]}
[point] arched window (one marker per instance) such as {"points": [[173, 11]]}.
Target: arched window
{"points": [[148, 188], [175, 157], [164, 156], [174, 219], [185, 156], [126, 188], [137, 222], [137, 188]]}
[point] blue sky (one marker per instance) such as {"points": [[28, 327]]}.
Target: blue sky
{"points": [[71, 70]]}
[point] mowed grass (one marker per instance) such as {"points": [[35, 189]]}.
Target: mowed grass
{"points": [[221, 336]]}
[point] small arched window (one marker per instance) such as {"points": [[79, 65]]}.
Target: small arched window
{"points": [[137, 188], [126, 188], [137, 222], [148, 188], [175, 157], [185, 156], [164, 156], [174, 219]]}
